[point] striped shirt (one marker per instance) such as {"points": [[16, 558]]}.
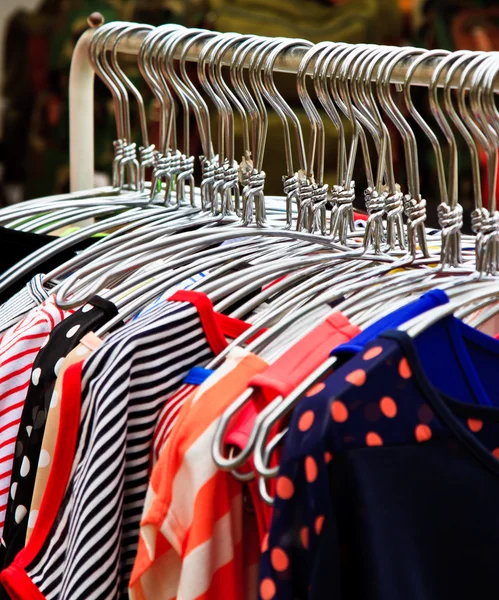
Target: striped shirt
{"points": [[18, 350], [90, 550], [197, 541], [62, 339], [167, 419]]}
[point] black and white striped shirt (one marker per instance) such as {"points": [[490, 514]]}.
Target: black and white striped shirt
{"points": [[91, 548]]}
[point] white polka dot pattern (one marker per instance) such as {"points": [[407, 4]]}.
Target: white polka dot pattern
{"points": [[35, 376], [58, 366], [44, 459], [71, 332], [21, 512], [25, 466]]}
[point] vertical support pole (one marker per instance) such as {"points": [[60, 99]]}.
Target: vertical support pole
{"points": [[81, 112]]}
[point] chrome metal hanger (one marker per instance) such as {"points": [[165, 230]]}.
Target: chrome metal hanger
{"points": [[317, 220], [415, 205], [418, 325], [270, 412], [125, 149], [321, 69], [469, 136], [450, 216], [488, 252]]}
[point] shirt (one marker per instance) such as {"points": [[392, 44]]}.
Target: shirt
{"points": [[20, 245], [193, 540], [55, 437], [92, 544], [378, 473], [170, 410], [470, 355], [18, 350], [168, 417], [14, 578], [393, 320], [63, 338]]}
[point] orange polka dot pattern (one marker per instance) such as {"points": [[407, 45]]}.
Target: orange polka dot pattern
{"points": [[267, 589], [339, 411], [475, 425], [319, 522], [404, 369], [372, 353], [284, 488], [310, 469], [423, 433], [279, 559], [304, 537], [356, 377], [388, 407], [373, 439], [372, 402], [306, 420], [315, 389]]}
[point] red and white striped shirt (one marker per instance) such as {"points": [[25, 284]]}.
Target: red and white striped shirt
{"points": [[18, 349], [197, 542]]}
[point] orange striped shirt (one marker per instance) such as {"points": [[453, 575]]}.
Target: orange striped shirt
{"points": [[191, 543]]}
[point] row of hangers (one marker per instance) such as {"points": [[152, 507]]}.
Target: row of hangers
{"points": [[305, 242]]}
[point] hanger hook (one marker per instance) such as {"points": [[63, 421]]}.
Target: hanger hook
{"points": [[150, 74], [96, 49], [126, 81], [124, 148], [204, 113], [320, 84], [428, 55]]}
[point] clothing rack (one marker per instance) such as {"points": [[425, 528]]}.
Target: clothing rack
{"points": [[81, 90]]}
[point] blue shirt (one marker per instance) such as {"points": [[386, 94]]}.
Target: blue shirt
{"points": [[459, 360]]}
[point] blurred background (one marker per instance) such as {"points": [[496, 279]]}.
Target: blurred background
{"points": [[37, 38]]}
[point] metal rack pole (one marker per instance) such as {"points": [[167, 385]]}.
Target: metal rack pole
{"points": [[81, 99]]}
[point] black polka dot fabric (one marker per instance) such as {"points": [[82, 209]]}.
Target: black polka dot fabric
{"points": [[29, 454]]}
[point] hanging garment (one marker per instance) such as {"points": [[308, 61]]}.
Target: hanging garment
{"points": [[167, 494], [377, 465], [393, 320], [470, 355], [292, 368], [20, 244], [18, 350], [125, 382], [194, 511], [54, 434], [14, 579], [63, 338], [169, 414]]}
